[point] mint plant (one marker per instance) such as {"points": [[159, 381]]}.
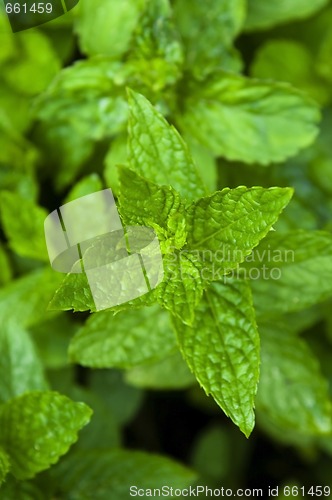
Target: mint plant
{"points": [[211, 125]]}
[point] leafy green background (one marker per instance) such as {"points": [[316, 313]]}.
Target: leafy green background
{"points": [[212, 125]]}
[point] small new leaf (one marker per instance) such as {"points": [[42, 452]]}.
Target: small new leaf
{"points": [[182, 287], [157, 151], [148, 204]]}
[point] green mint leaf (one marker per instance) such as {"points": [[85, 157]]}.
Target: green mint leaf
{"points": [[262, 14], [21, 369], [182, 287], [249, 120], [74, 294], [293, 62], [38, 428], [88, 185], [157, 151], [4, 465], [110, 29], [33, 54], [208, 30], [169, 373], [24, 490], [5, 267], [18, 158], [113, 472], [223, 228], [24, 301], [148, 204], [121, 341], [156, 49], [89, 97], [292, 391], [116, 155], [292, 271], [9, 99], [222, 349], [23, 223]]}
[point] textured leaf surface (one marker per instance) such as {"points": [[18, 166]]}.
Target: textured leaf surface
{"points": [[262, 14], [124, 340], [146, 203], [208, 29], [222, 349], [21, 369], [250, 120], [157, 151], [292, 391], [297, 271], [156, 48], [23, 223], [74, 294], [112, 472], [224, 227], [182, 287], [37, 428]]}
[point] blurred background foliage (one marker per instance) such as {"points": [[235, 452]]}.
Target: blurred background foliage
{"points": [[63, 119]]}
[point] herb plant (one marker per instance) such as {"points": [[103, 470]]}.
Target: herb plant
{"points": [[210, 121]]}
